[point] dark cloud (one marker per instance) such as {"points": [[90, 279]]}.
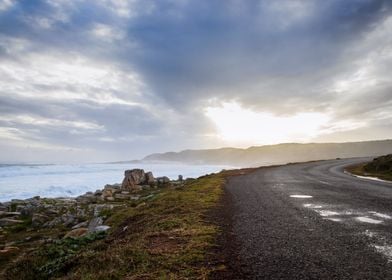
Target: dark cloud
{"points": [[165, 61]]}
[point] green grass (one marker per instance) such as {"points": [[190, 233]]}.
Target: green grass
{"points": [[166, 236]]}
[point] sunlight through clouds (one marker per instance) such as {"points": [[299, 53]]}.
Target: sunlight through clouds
{"points": [[238, 125]]}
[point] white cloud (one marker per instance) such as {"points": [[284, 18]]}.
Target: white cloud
{"points": [[62, 76], [47, 122], [6, 4], [107, 33]]}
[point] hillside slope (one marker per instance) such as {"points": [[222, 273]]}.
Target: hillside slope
{"points": [[277, 154]]}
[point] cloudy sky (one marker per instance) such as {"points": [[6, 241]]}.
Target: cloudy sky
{"points": [[113, 79]]}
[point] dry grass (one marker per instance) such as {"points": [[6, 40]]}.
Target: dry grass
{"points": [[359, 169], [167, 236]]}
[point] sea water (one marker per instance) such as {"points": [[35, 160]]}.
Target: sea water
{"points": [[25, 181]]}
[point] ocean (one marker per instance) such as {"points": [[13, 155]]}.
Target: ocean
{"points": [[68, 180]]}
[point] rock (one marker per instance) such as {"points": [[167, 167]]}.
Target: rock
{"points": [[9, 214], [113, 186], [17, 201], [52, 211], [95, 222], [180, 178], [107, 192], [146, 187], [135, 197], [133, 177], [9, 222], [38, 219], [27, 211], [140, 205], [109, 198], [121, 196], [98, 193], [75, 233], [80, 225], [69, 219], [163, 180], [101, 228], [9, 250], [150, 180], [88, 197], [97, 209]]}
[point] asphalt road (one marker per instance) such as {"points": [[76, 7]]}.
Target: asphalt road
{"points": [[310, 221]]}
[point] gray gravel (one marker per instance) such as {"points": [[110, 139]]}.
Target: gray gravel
{"points": [[280, 237]]}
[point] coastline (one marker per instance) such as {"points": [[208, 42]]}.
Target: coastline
{"points": [[58, 237]]}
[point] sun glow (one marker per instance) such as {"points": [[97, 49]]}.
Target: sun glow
{"points": [[237, 125]]}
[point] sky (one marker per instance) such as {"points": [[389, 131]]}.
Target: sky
{"points": [[107, 80]]}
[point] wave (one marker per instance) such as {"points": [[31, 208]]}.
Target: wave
{"points": [[24, 181]]}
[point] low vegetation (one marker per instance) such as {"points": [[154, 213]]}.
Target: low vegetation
{"points": [[164, 235], [380, 167]]}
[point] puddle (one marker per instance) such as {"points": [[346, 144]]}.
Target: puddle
{"points": [[370, 234], [327, 213], [313, 206], [368, 220], [386, 250], [301, 196], [333, 219], [380, 215]]}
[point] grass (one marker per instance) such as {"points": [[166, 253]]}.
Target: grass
{"points": [[165, 236], [360, 169]]}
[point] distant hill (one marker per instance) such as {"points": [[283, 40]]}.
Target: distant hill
{"points": [[276, 154]]}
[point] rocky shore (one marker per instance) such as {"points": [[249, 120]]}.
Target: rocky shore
{"points": [[30, 222]]}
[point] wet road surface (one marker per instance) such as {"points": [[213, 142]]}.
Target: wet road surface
{"points": [[311, 221]]}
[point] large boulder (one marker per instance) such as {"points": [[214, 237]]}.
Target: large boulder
{"points": [[132, 178], [150, 180], [163, 180]]}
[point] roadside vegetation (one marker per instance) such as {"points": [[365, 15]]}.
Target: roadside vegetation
{"points": [[380, 167], [165, 235]]}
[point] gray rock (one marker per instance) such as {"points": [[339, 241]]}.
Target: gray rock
{"points": [[95, 222], [163, 180], [9, 222], [112, 186], [80, 225], [27, 210], [133, 177], [9, 214], [87, 198], [101, 228], [98, 192], [150, 180], [69, 220], [121, 196], [97, 209], [180, 178], [38, 219]]}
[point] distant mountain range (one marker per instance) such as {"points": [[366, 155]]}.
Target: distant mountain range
{"points": [[275, 154]]}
